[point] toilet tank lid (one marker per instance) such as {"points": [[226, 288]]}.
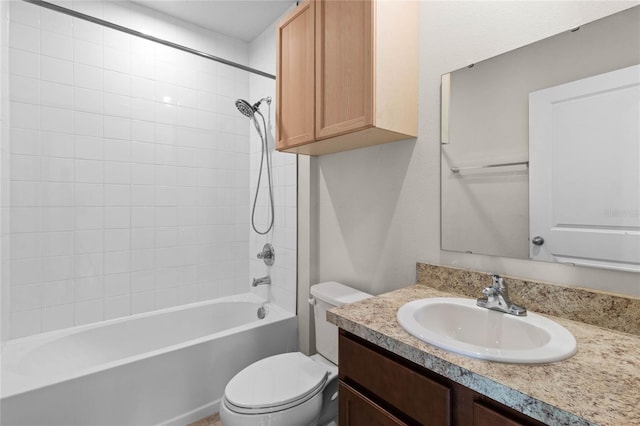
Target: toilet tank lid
{"points": [[337, 294]]}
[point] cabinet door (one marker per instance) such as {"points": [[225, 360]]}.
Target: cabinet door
{"points": [[295, 77], [344, 66], [358, 410]]}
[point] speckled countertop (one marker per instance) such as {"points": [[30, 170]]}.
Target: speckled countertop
{"points": [[600, 385]]}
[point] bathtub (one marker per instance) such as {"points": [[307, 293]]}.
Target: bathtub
{"points": [[166, 367]]}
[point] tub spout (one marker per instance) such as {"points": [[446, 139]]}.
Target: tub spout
{"points": [[261, 281]]}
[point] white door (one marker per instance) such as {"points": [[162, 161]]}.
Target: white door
{"points": [[584, 175]]}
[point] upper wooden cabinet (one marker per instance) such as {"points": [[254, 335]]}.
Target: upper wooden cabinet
{"points": [[347, 75]]}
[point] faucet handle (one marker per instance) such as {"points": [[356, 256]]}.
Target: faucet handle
{"points": [[497, 281]]}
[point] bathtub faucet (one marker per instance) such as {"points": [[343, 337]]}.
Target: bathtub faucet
{"points": [[261, 281]]}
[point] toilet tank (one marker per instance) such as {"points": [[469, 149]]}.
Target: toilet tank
{"points": [[326, 296]]}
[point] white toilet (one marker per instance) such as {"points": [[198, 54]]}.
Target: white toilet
{"points": [[293, 389]]}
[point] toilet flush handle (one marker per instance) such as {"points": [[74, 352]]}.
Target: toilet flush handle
{"points": [[312, 301]]}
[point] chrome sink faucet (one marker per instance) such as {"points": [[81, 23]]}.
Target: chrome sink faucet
{"points": [[497, 298]]}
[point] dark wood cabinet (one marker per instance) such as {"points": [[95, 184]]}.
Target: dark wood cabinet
{"points": [[378, 387], [358, 410]]}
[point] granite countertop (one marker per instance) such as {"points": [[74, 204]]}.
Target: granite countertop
{"points": [[599, 385]]}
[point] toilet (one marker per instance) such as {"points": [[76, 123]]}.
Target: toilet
{"points": [[293, 389]]}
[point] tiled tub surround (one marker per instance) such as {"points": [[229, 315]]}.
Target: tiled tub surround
{"points": [[600, 385], [621, 313], [130, 168]]}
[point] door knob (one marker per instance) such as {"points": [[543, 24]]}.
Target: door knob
{"points": [[537, 240]]}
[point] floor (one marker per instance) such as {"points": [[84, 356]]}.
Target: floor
{"points": [[208, 421]]}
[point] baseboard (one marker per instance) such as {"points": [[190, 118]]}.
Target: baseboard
{"points": [[194, 415]]}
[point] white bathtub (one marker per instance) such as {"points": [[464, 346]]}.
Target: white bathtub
{"points": [[166, 367]]}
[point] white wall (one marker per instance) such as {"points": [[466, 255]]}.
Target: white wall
{"points": [[129, 168], [378, 208], [4, 165], [282, 291]]}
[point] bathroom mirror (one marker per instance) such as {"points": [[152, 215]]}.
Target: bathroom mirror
{"points": [[540, 154]]}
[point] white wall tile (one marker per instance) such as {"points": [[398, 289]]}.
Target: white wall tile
{"points": [[24, 37], [24, 89], [57, 268], [90, 288], [26, 297], [57, 293], [117, 240], [57, 219], [91, 241], [117, 150], [116, 172], [87, 31], [24, 116], [117, 217], [25, 13], [88, 77], [88, 312], [26, 194], [89, 171], [87, 100], [166, 298], [57, 145], [25, 142], [143, 302], [25, 323], [56, 70], [56, 45], [117, 128], [116, 307], [56, 22], [88, 124], [24, 63], [57, 317], [56, 169], [88, 194], [57, 244], [56, 120], [117, 105], [117, 262], [25, 271], [89, 217], [117, 284], [117, 82], [89, 148], [56, 95], [25, 245]]}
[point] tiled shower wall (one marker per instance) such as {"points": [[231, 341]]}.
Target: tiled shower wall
{"points": [[129, 168]]}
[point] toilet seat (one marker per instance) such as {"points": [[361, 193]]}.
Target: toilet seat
{"points": [[275, 384]]}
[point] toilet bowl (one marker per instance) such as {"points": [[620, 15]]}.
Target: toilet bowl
{"points": [[293, 389]]}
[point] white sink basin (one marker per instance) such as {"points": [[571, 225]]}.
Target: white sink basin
{"points": [[458, 325]]}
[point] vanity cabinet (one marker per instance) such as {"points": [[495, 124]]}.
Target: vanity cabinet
{"points": [[380, 388], [346, 75]]}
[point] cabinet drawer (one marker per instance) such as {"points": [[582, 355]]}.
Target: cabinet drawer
{"points": [[485, 416], [358, 410], [422, 399]]}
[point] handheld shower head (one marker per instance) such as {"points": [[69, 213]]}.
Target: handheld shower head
{"points": [[245, 108], [249, 110]]}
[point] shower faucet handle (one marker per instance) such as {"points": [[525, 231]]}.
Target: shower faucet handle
{"points": [[268, 254]]}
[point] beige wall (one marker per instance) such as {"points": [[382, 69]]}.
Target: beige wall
{"points": [[375, 212]]}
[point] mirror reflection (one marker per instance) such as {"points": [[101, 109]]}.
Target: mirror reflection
{"points": [[541, 149]]}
